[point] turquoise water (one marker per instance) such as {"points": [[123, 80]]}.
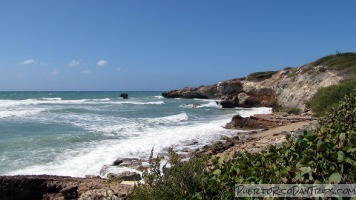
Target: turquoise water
{"points": [[79, 133]]}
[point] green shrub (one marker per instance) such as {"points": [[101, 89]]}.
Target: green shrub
{"points": [[288, 68], [329, 97], [322, 69], [289, 110], [179, 181], [324, 156], [266, 73], [259, 76], [340, 61]]}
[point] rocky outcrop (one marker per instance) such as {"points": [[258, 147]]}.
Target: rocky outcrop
{"points": [[124, 95], [56, 187], [125, 176], [263, 121], [288, 88], [202, 92]]}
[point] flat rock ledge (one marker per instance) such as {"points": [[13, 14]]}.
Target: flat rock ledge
{"points": [[33, 187], [263, 121]]}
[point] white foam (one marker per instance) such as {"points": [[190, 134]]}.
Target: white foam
{"points": [[106, 99], [139, 103], [3, 158], [16, 103], [52, 99], [43, 101], [170, 119], [20, 113], [210, 105], [89, 158], [246, 112], [156, 102], [110, 125], [159, 97]]}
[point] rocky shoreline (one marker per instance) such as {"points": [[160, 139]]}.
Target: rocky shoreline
{"points": [[117, 186], [36, 187], [287, 88]]}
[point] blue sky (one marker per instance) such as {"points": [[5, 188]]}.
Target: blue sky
{"points": [[163, 44]]}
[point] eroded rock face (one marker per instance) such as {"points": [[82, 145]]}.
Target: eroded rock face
{"points": [[230, 87], [288, 88], [202, 92]]}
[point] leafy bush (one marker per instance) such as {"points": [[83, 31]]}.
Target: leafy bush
{"points": [[260, 76], [326, 156], [329, 97], [289, 110], [179, 181]]}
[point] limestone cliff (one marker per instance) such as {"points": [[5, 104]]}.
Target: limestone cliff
{"points": [[290, 87]]}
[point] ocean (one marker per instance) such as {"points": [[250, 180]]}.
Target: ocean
{"points": [[82, 133]]}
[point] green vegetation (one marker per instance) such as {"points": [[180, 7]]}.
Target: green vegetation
{"points": [[288, 68], [289, 110], [259, 76], [345, 62], [329, 97], [181, 180], [292, 74], [326, 155], [267, 73]]}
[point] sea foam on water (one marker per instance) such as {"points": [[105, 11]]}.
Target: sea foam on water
{"points": [[79, 136]]}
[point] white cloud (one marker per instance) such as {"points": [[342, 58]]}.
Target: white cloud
{"points": [[102, 63], [27, 62], [54, 72], [74, 63], [86, 72]]}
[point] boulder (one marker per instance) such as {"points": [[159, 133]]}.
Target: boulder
{"points": [[229, 101], [124, 95], [238, 122], [118, 162], [125, 176]]}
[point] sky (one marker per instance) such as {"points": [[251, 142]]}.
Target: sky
{"points": [[158, 45]]}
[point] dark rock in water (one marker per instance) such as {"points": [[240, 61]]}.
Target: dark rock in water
{"points": [[118, 162], [229, 102], [124, 95], [193, 143]]}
